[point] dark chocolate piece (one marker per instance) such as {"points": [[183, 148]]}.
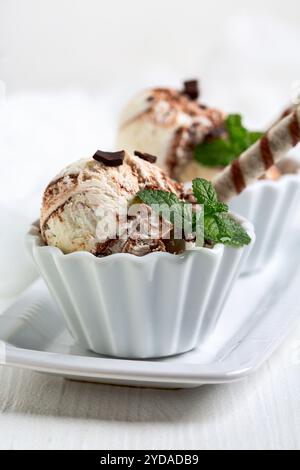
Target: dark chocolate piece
{"points": [[191, 89], [110, 158], [145, 156]]}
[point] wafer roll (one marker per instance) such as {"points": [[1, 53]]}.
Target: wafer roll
{"points": [[256, 160]]}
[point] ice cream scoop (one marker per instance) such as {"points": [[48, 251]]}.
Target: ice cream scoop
{"points": [[168, 123], [171, 123], [80, 205]]}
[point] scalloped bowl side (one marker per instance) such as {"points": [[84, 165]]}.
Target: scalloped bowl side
{"points": [[140, 307]]}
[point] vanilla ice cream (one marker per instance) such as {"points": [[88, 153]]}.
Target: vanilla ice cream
{"points": [[80, 203], [167, 123]]}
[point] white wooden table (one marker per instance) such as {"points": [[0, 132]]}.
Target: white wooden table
{"points": [[263, 411]]}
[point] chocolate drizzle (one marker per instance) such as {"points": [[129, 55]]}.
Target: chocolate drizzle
{"points": [[295, 129], [237, 176], [266, 152], [172, 159]]}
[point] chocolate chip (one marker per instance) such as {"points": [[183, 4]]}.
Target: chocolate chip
{"points": [[191, 89], [110, 158], [145, 156]]}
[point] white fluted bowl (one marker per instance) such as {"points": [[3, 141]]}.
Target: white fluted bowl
{"points": [[272, 207], [154, 306]]}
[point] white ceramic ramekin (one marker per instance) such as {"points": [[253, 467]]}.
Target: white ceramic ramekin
{"points": [[272, 208], [154, 306]]}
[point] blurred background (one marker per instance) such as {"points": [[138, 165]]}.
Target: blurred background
{"points": [[68, 66]]}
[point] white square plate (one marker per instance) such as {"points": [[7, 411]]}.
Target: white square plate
{"points": [[261, 311]]}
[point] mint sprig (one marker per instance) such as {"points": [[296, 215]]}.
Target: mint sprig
{"points": [[219, 225], [223, 228], [206, 194], [222, 151], [158, 199]]}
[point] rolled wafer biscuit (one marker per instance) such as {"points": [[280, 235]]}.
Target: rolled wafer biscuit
{"points": [[254, 162]]}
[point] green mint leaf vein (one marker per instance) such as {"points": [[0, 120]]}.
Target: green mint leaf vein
{"points": [[204, 191], [223, 228], [206, 194], [158, 198]]}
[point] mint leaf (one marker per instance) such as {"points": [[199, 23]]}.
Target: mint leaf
{"points": [[180, 213], [217, 207], [219, 225], [211, 229], [217, 152], [206, 194], [222, 151], [159, 198], [236, 131], [223, 228], [204, 191]]}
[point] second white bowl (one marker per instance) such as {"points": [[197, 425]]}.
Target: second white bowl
{"points": [[272, 208]]}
